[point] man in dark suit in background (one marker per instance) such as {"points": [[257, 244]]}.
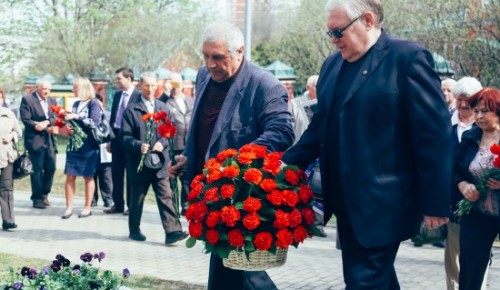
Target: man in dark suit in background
{"points": [[39, 140], [134, 132], [382, 132], [126, 95], [236, 103]]}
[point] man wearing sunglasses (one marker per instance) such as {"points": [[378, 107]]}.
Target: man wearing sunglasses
{"points": [[382, 133]]}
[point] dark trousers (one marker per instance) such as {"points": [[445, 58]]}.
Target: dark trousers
{"points": [[118, 174], [366, 268], [7, 194], [222, 278], [103, 182], [44, 168], [477, 234], [184, 185], [163, 195]]}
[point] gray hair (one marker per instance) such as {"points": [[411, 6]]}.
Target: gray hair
{"points": [[224, 31], [312, 79], [448, 81], [42, 81], [148, 75], [466, 87], [354, 8]]}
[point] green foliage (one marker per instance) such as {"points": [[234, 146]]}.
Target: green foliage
{"points": [[60, 275]]}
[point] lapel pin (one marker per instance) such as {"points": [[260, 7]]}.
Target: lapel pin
{"points": [[365, 72]]}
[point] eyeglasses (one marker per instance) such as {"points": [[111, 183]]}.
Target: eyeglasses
{"points": [[338, 33]]}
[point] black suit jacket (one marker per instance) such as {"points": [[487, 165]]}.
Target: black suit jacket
{"points": [[31, 112], [394, 141], [116, 103], [134, 135]]}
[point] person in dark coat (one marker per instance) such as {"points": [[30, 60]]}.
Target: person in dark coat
{"points": [[383, 136]]}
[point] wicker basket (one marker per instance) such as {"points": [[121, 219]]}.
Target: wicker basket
{"points": [[259, 260]]}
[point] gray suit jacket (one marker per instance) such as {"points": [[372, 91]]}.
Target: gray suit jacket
{"points": [[255, 111]]}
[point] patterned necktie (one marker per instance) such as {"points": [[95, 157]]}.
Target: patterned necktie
{"points": [[121, 109]]}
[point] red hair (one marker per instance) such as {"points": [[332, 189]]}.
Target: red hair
{"points": [[491, 98]]}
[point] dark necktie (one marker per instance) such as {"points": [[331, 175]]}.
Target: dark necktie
{"points": [[121, 109]]}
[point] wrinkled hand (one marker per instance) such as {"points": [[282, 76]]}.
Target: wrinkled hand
{"points": [[7, 138], [53, 130], [158, 147], [144, 148], [71, 116], [493, 183], [176, 170], [469, 191], [434, 222]]}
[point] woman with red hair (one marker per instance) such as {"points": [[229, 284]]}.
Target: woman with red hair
{"points": [[480, 227]]}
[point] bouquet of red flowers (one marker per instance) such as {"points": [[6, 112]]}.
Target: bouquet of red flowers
{"points": [[246, 202], [78, 135], [481, 183], [151, 119]]}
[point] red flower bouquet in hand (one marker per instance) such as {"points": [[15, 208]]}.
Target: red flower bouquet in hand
{"points": [[481, 182], [78, 135], [245, 202]]}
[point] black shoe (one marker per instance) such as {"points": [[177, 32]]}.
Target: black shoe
{"points": [[438, 245], [8, 226], [113, 210], [175, 237], [137, 236], [39, 204], [66, 216]]}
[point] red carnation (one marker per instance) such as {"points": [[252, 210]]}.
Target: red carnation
{"points": [[195, 192], [295, 218], [268, 184], [251, 221], [146, 117], [283, 238], [253, 175], [282, 219], [198, 179], [228, 153], [236, 238], [212, 163], [252, 204], [495, 149], [275, 197], [211, 194], [308, 215], [292, 177], [230, 215], [290, 198], [259, 150], [231, 171], [195, 229], [496, 162], [213, 219], [214, 174], [196, 211], [212, 236], [246, 158], [263, 241], [305, 193], [299, 234], [167, 130], [59, 123], [227, 190], [159, 116]]}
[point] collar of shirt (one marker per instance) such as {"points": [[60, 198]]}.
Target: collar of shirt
{"points": [[150, 105]]}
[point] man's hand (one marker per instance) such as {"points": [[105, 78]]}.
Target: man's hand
{"points": [[468, 190], [434, 222], [53, 130], [176, 170], [108, 147], [40, 126], [158, 147], [144, 148]]}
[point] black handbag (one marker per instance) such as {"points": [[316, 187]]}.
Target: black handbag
{"points": [[101, 133], [22, 166]]}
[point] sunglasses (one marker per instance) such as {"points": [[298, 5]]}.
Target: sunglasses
{"points": [[338, 32]]}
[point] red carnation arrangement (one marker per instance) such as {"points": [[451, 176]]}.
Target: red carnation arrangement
{"points": [[244, 201]]}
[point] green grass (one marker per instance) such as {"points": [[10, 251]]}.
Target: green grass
{"points": [[136, 282]]}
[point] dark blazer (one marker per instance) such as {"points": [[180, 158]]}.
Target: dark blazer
{"points": [[466, 152], [394, 141], [117, 97], [31, 113], [134, 135], [255, 111]]}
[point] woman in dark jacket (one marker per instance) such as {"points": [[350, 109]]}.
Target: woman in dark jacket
{"points": [[481, 226]]}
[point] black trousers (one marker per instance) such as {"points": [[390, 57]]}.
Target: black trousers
{"points": [[104, 183], [366, 268], [184, 185], [222, 278], [477, 234], [7, 194], [118, 174], [44, 168]]}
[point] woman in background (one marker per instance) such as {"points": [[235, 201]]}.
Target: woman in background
{"points": [[82, 162], [10, 132]]}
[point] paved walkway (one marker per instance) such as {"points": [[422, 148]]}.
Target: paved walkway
{"points": [[316, 264]]}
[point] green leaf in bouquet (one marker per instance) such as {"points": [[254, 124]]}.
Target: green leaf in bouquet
{"points": [[190, 242], [239, 204]]}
